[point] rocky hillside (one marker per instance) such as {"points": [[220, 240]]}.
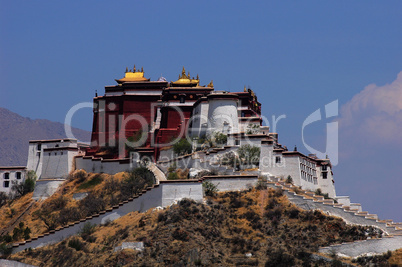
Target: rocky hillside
{"points": [[248, 228], [16, 131]]}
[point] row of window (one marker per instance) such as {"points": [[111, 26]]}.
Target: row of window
{"points": [[308, 163], [308, 169], [6, 175], [39, 146], [55, 153], [308, 177]]}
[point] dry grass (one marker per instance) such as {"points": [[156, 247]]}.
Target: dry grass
{"points": [[396, 258], [46, 208], [263, 223]]}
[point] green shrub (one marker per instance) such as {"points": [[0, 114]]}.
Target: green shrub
{"points": [[87, 229], [249, 154], [220, 138], [209, 188], [86, 232], [182, 147], [173, 176], [76, 244], [136, 181], [5, 249], [25, 187], [97, 179]]}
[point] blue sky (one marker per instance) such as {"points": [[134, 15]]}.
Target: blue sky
{"points": [[296, 55]]}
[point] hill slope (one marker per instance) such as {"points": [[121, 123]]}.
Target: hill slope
{"points": [[16, 131], [248, 228]]}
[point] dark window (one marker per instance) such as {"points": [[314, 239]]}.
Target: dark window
{"points": [[56, 146], [6, 175], [237, 142], [324, 175], [55, 153], [6, 183], [324, 167], [18, 175], [61, 153], [182, 99], [39, 146], [277, 159], [243, 114]]}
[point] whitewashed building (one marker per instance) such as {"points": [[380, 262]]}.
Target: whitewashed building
{"points": [[53, 159], [11, 175]]}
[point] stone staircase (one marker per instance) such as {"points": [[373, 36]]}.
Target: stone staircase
{"points": [[306, 199], [392, 238], [158, 173], [351, 214]]}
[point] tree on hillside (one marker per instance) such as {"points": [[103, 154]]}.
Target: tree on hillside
{"points": [[27, 186], [182, 147], [249, 154]]}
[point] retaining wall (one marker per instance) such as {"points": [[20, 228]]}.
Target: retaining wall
{"points": [[365, 247], [46, 188]]}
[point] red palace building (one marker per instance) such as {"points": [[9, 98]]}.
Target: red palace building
{"points": [[151, 113]]}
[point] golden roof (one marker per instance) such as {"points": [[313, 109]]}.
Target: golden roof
{"points": [[133, 76], [186, 80]]}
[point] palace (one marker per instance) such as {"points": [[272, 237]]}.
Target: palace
{"points": [[188, 135], [139, 119]]}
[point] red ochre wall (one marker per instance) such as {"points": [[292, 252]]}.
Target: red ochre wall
{"points": [[118, 108]]}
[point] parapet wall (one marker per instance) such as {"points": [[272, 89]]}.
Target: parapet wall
{"points": [[369, 247], [99, 165]]}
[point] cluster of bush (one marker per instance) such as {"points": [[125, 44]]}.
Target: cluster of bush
{"points": [[292, 234]]}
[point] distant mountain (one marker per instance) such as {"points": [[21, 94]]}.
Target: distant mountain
{"points": [[16, 131]]}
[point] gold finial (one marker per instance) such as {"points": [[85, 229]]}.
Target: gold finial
{"points": [[211, 84], [183, 72], [134, 68], [198, 78], [126, 69], [245, 89], [142, 69], [188, 75]]}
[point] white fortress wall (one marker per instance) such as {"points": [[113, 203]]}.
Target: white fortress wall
{"points": [[57, 162], [326, 184], [200, 118], [370, 246], [98, 165], [288, 165], [233, 183], [38, 148], [223, 116], [173, 191]]}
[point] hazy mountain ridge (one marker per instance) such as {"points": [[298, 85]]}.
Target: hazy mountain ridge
{"points": [[16, 131]]}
